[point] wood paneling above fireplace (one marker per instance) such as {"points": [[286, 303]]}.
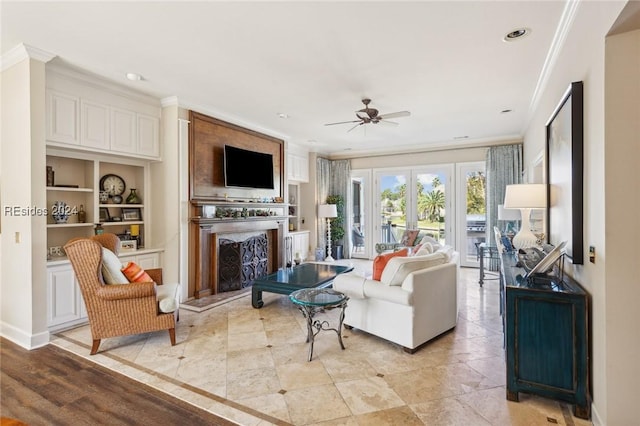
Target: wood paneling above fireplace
{"points": [[207, 138]]}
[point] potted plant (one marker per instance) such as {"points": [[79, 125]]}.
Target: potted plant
{"points": [[337, 225]]}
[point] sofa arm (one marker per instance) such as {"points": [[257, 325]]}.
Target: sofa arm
{"points": [[350, 284]]}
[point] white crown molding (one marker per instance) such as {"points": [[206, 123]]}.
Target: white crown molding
{"points": [[22, 52], [560, 36]]}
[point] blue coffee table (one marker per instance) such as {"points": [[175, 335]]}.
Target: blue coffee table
{"points": [[288, 280]]}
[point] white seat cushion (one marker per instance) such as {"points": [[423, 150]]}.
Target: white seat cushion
{"points": [[166, 295], [398, 268]]}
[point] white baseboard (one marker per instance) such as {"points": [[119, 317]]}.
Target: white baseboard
{"points": [[595, 417], [20, 338]]}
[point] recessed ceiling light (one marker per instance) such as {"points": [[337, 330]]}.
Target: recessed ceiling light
{"points": [[517, 34], [504, 111], [133, 76], [283, 115], [460, 137]]}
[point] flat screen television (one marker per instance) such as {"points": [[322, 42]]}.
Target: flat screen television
{"points": [[247, 169]]}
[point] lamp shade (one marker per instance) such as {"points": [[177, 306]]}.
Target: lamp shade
{"points": [[526, 196], [508, 214], [327, 210]]}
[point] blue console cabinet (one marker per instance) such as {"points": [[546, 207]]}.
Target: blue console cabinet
{"points": [[547, 338]]}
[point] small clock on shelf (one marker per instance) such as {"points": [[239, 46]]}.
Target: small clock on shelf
{"points": [[112, 184]]}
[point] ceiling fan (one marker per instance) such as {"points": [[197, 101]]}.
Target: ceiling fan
{"points": [[368, 115]]}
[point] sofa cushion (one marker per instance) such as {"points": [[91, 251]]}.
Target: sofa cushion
{"points": [[135, 273], [111, 265], [398, 268], [381, 260]]}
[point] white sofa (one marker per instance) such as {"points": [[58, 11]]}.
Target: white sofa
{"points": [[412, 303]]}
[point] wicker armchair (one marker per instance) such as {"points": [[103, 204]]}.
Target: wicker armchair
{"points": [[116, 310]]}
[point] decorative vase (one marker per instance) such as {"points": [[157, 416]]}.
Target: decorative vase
{"points": [[133, 197], [60, 212], [117, 199], [82, 215]]}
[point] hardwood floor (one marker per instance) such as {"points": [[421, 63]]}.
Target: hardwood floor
{"points": [[51, 386]]}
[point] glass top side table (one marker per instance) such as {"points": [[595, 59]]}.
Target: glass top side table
{"points": [[310, 301]]}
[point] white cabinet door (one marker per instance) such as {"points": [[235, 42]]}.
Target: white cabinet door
{"points": [[298, 168], [300, 242], [65, 302], [62, 113], [148, 261], [94, 125], [303, 169], [123, 130], [291, 174], [148, 136], [145, 261]]}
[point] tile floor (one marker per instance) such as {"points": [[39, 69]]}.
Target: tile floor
{"points": [[250, 366]]}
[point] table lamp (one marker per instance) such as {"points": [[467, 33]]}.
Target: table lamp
{"points": [[328, 211], [525, 197]]}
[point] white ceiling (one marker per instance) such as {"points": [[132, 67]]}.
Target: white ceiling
{"points": [[245, 62]]}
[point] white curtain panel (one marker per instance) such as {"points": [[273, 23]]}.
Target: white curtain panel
{"points": [[323, 183], [504, 167], [340, 181]]}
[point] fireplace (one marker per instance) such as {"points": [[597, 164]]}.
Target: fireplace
{"points": [[227, 254], [241, 262]]}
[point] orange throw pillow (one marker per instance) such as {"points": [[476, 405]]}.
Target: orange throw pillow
{"points": [[135, 274], [381, 261]]}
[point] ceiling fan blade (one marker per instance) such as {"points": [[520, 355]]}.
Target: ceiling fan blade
{"points": [[359, 124], [343, 122], [388, 123], [395, 115]]}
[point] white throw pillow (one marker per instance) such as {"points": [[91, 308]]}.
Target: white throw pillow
{"points": [[111, 265], [426, 248], [398, 268], [447, 251], [435, 245]]}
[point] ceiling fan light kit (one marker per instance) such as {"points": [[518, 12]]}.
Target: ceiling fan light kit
{"points": [[368, 115]]}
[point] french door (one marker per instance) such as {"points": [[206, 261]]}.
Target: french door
{"points": [[471, 218], [414, 199]]}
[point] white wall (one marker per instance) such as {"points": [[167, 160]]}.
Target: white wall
{"points": [[23, 291], [622, 204], [582, 58]]}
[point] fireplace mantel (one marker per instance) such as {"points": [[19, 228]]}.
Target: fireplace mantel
{"points": [[205, 231]]}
